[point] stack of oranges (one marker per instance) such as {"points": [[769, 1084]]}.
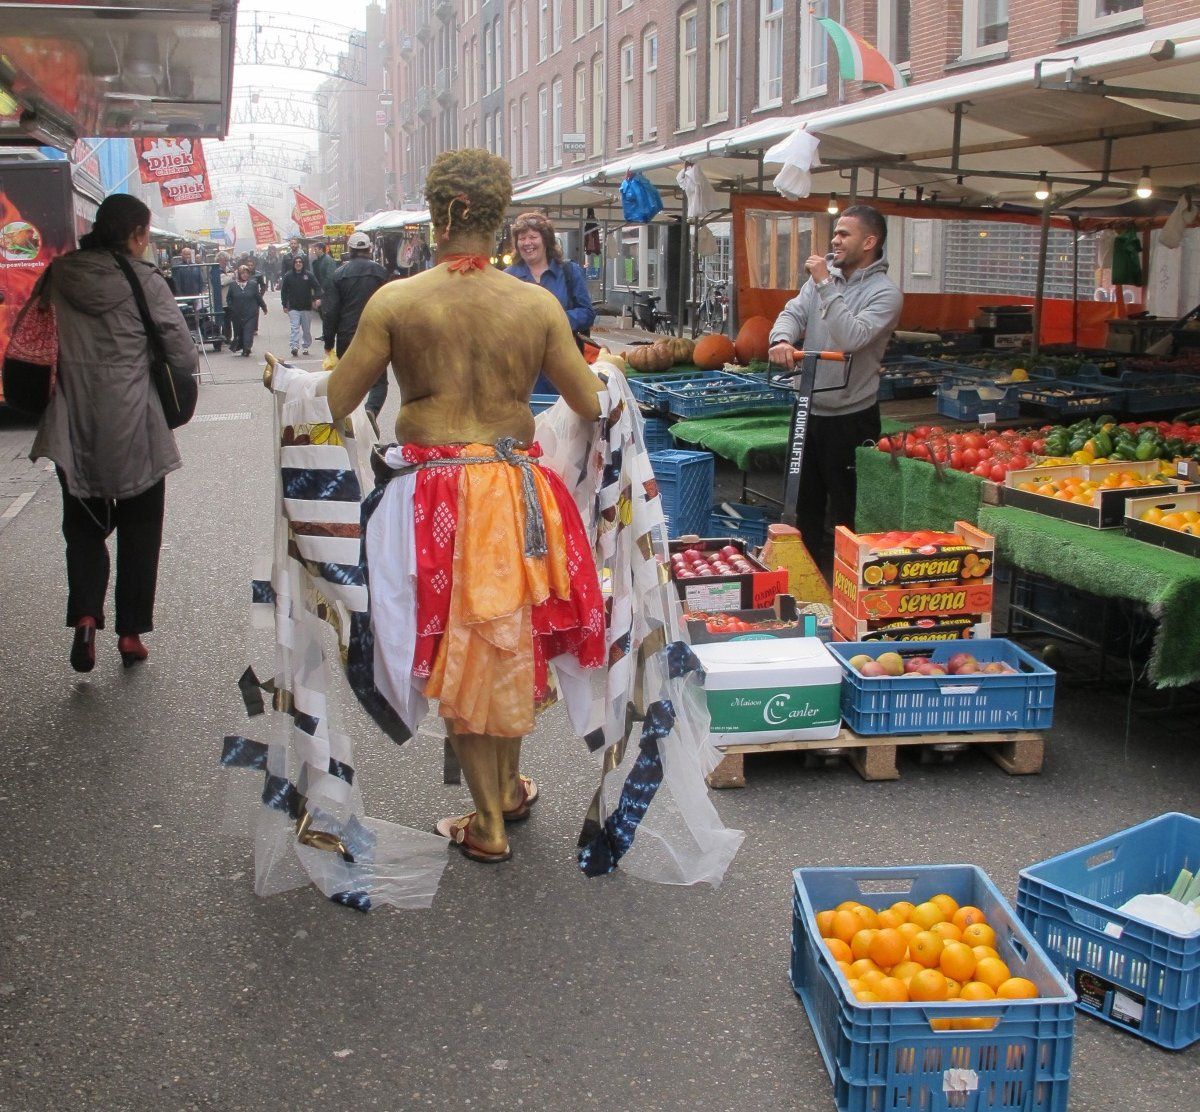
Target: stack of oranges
{"points": [[931, 951]]}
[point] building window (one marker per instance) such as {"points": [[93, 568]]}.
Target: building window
{"points": [[514, 40], [1100, 15], [556, 128], [625, 94], [489, 59], [581, 87], [597, 13], [770, 53], [598, 105], [498, 40], [514, 136], [524, 35], [985, 28], [556, 11], [543, 29], [687, 69], [718, 61], [543, 127], [650, 83], [893, 20], [636, 265], [489, 136], [525, 137], [814, 49], [581, 17]]}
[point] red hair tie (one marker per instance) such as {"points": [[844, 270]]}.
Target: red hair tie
{"points": [[464, 264]]}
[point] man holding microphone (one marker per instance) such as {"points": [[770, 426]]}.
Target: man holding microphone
{"points": [[850, 305]]}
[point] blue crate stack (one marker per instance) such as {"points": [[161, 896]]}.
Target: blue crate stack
{"points": [[658, 435], [748, 523], [685, 485]]}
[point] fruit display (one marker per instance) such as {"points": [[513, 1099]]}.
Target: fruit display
{"points": [[732, 623], [906, 558], [1082, 490], [988, 454], [935, 950], [693, 563], [1102, 438], [713, 350], [959, 664], [1185, 521]]}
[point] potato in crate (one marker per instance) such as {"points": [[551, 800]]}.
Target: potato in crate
{"points": [[931, 1055], [1126, 969]]}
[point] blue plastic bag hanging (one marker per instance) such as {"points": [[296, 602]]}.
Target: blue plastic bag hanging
{"points": [[640, 201]]}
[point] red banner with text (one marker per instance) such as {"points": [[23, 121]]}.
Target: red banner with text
{"points": [[264, 229], [160, 160], [308, 215]]}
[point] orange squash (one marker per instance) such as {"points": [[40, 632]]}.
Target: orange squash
{"points": [[753, 340], [713, 351]]}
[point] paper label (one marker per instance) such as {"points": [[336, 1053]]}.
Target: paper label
{"points": [[960, 1081]]}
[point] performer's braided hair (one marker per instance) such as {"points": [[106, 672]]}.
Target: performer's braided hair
{"points": [[468, 190]]}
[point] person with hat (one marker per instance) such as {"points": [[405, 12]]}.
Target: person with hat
{"points": [[342, 304]]}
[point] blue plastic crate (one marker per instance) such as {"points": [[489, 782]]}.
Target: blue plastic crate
{"points": [[907, 376], [1066, 398], [648, 390], [1134, 975], [539, 403], [886, 1057], [725, 393], [685, 485], [749, 523], [658, 435], [949, 704], [965, 400], [1159, 393]]}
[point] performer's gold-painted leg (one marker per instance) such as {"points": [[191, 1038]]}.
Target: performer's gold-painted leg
{"points": [[479, 756]]}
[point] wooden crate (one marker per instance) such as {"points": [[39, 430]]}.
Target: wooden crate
{"points": [[1019, 752]]}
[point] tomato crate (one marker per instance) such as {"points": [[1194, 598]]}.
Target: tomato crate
{"points": [[685, 485], [1065, 398], [914, 1057], [907, 704], [726, 393], [1127, 971]]}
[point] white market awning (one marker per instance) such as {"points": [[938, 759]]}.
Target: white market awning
{"points": [[392, 220]]}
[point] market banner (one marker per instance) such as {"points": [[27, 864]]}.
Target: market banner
{"points": [[264, 229], [160, 160], [185, 190], [308, 215]]}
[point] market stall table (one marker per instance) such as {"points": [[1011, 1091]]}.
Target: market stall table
{"points": [[1106, 563]]}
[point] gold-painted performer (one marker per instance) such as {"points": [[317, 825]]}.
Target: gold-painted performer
{"points": [[466, 342]]}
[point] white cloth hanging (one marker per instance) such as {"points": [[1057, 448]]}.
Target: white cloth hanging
{"points": [[798, 153], [1182, 218], [701, 197]]}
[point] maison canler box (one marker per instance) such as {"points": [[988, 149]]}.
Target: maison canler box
{"points": [[786, 689]]}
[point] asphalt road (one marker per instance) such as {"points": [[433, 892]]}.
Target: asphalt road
{"points": [[140, 972]]}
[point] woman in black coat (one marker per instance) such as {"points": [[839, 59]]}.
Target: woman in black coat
{"points": [[243, 299]]}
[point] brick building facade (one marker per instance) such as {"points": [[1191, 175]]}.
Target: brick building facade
{"points": [[561, 85]]}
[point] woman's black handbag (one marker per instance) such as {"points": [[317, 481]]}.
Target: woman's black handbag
{"points": [[177, 390]]}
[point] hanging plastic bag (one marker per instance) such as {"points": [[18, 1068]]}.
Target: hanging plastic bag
{"points": [[798, 153], [640, 201], [701, 197]]}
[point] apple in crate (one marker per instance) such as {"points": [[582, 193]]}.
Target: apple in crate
{"points": [[913, 663], [858, 660], [873, 668], [963, 663]]}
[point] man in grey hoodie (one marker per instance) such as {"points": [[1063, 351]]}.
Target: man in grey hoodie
{"points": [[848, 304]]}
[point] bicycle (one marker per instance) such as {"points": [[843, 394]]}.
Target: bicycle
{"points": [[650, 317], [714, 308]]}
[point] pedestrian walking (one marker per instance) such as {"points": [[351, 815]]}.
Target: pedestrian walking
{"points": [[243, 300], [104, 427], [298, 293]]}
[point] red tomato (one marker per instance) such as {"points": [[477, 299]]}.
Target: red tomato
{"points": [[973, 440], [970, 457], [884, 444], [983, 470], [956, 440], [919, 451], [956, 458], [1018, 462], [1023, 444], [1039, 447], [997, 473], [984, 453]]}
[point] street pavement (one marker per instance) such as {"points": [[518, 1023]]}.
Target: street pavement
{"points": [[138, 970]]}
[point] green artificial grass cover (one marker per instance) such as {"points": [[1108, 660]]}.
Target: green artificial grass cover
{"points": [[1107, 563], [901, 493]]}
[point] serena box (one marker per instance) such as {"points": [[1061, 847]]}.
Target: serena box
{"points": [[785, 689], [930, 601], [912, 558]]}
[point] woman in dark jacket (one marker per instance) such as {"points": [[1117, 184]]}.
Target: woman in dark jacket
{"points": [[105, 430], [243, 299], [297, 292]]}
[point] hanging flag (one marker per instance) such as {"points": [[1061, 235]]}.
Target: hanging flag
{"points": [[264, 229], [859, 60], [160, 160], [308, 215], [185, 190]]}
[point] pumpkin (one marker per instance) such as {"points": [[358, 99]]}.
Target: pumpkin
{"points": [[681, 349], [650, 357], [713, 351], [753, 340]]}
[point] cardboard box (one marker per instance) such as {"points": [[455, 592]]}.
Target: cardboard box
{"points": [[784, 611], [903, 566], [1107, 507], [935, 600], [783, 689], [718, 593], [1161, 535], [847, 627]]}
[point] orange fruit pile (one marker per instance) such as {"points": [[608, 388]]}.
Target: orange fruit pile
{"points": [[1185, 521], [1075, 488], [932, 951]]}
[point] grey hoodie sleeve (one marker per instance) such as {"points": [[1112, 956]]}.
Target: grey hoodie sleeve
{"points": [[177, 340], [792, 322], [853, 330]]}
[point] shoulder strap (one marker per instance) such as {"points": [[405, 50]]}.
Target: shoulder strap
{"points": [[139, 295]]}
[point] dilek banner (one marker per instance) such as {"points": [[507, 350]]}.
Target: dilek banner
{"points": [[308, 215], [264, 230], [178, 166]]}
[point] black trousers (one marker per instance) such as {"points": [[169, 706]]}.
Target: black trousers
{"points": [[828, 481], [242, 331], [87, 524]]}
